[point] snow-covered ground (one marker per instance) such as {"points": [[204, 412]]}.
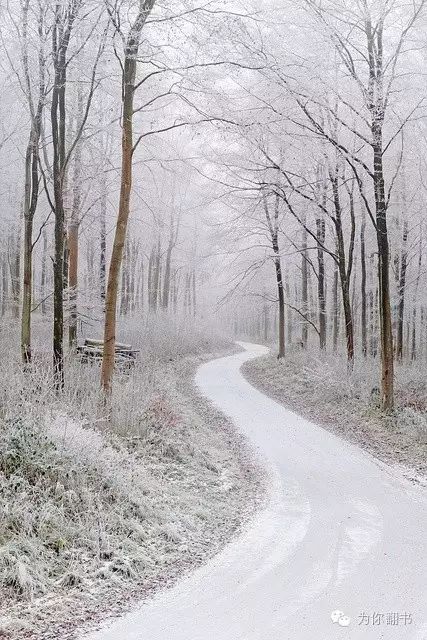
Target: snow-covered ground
{"points": [[323, 389], [96, 514], [340, 532]]}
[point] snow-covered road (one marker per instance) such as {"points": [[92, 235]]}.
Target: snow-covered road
{"points": [[339, 532]]}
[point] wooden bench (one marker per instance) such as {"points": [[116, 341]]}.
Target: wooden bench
{"points": [[92, 351]]}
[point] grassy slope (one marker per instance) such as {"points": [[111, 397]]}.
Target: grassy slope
{"points": [[97, 513]]}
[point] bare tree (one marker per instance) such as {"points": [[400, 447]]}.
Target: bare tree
{"points": [[64, 19], [129, 68], [73, 227], [273, 222], [375, 79], [173, 239], [36, 101]]}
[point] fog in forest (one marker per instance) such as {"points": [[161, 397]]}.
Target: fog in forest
{"points": [[176, 177]]}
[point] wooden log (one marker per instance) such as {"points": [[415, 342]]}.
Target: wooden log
{"points": [[100, 344], [92, 351]]}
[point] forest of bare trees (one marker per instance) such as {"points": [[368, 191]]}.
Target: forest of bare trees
{"points": [[138, 174], [331, 163], [213, 262]]}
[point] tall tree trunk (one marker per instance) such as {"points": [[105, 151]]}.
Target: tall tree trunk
{"points": [[336, 309], [132, 276], [273, 226], [73, 256], [343, 269], [364, 319], [376, 104], [15, 271], [386, 333], [31, 164], [5, 286], [150, 279], [129, 76], [187, 298], [90, 268], [124, 280], [280, 289], [43, 282], [60, 40], [266, 322], [402, 286], [73, 231], [415, 305], [414, 352], [167, 278], [103, 239], [177, 279], [140, 286], [304, 286], [58, 265], [321, 234], [157, 276], [289, 320], [31, 174]]}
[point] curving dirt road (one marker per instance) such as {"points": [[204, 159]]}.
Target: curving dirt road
{"points": [[340, 532]]}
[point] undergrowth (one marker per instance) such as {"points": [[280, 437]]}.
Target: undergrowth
{"points": [[346, 401], [91, 502]]}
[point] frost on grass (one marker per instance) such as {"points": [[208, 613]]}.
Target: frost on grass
{"points": [[347, 402], [96, 512]]}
